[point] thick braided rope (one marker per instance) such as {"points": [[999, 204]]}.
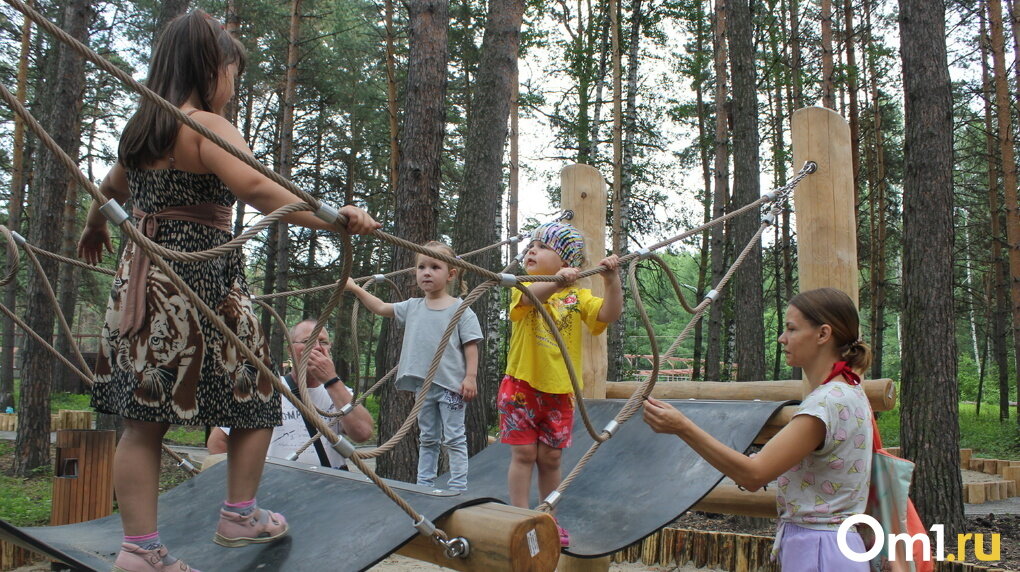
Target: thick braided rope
{"points": [[355, 341], [13, 256], [135, 235], [419, 402], [633, 403], [52, 297], [311, 200]]}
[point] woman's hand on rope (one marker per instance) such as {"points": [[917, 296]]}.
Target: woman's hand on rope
{"points": [[664, 418], [92, 242], [359, 221]]}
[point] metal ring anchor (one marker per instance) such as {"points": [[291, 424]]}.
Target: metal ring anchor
{"points": [[457, 547]]}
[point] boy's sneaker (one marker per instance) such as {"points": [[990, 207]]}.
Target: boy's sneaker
{"points": [[260, 526], [564, 536], [134, 558]]}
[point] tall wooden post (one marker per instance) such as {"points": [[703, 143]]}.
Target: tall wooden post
{"points": [[824, 203], [583, 190]]}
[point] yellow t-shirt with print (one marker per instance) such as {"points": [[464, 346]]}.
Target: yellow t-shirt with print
{"points": [[534, 356]]}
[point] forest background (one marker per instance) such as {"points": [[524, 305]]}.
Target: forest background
{"points": [[432, 115]]}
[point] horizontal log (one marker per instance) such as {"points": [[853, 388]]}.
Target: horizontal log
{"points": [[881, 392], [501, 537], [728, 499]]}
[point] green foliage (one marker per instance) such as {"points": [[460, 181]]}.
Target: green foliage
{"points": [[25, 502], [72, 401], [186, 435], [986, 435]]}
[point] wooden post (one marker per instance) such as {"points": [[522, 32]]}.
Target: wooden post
{"points": [[824, 203], [83, 478], [583, 190]]}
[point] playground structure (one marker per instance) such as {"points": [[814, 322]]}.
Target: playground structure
{"points": [[473, 531]]}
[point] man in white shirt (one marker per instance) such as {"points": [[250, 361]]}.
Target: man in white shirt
{"points": [[326, 392]]}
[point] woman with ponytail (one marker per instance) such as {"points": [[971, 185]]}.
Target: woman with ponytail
{"points": [[821, 461]]}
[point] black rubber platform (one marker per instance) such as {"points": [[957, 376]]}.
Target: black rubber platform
{"points": [[635, 484]]}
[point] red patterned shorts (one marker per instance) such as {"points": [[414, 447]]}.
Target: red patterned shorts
{"points": [[528, 416]]}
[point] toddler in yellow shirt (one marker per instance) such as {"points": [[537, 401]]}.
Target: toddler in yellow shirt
{"points": [[536, 409]]}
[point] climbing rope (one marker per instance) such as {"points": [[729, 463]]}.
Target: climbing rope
{"points": [[159, 256]]}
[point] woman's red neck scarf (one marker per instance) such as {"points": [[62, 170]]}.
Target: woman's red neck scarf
{"points": [[840, 368]]}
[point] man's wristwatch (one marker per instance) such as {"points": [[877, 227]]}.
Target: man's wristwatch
{"points": [[331, 382]]}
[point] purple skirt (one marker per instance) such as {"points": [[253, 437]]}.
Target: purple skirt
{"points": [[807, 550]]}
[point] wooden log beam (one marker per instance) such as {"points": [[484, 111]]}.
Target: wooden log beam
{"points": [[502, 537], [728, 499], [881, 392]]}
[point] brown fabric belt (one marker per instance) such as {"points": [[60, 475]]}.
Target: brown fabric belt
{"points": [[209, 214]]}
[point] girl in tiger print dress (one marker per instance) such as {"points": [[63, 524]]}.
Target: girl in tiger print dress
{"points": [[161, 360]]}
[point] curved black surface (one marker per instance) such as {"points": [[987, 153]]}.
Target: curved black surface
{"points": [[636, 483]]}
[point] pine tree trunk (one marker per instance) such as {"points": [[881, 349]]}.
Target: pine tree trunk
{"points": [[747, 282], [391, 94], [706, 199], [1008, 162], [286, 162], [929, 430], [720, 196], [19, 164], [417, 198], [828, 90], [485, 146], [853, 111], [877, 188], [32, 447], [997, 279], [614, 345]]}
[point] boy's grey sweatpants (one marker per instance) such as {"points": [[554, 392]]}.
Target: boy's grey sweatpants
{"points": [[441, 420]]}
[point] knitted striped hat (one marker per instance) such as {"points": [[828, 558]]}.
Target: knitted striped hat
{"points": [[564, 239]]}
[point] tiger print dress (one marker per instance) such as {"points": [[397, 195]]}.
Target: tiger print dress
{"points": [[178, 367]]}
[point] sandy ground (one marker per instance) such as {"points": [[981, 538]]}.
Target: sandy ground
{"points": [[401, 564]]}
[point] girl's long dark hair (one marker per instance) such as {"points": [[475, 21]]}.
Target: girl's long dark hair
{"points": [[188, 58]]}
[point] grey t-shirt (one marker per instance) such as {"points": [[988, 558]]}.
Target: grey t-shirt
{"points": [[423, 329]]}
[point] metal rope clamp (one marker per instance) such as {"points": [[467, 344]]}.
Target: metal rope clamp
{"points": [[643, 253], [611, 427], [507, 280], [18, 239], [553, 499], [327, 213], [186, 464], [344, 447], [346, 409], [713, 295], [114, 212]]}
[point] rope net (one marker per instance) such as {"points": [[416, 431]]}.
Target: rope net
{"points": [[773, 202]]}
